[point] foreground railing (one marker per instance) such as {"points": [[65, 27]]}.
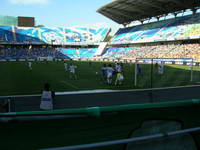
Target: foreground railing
{"points": [[68, 127], [97, 111], [125, 141]]}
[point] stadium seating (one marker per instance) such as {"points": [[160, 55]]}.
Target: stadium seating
{"points": [[79, 53], [34, 53], [158, 51], [27, 35], [6, 34], [186, 27], [64, 35], [116, 52], [148, 51]]}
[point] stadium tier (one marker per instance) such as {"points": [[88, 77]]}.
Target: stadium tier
{"points": [[158, 51], [39, 53], [79, 53], [65, 35], [6, 34], [186, 27], [35, 53], [131, 53], [27, 35], [117, 52]]}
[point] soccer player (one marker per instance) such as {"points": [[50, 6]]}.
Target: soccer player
{"points": [[65, 66], [118, 68], [161, 68], [72, 71], [109, 73], [30, 65], [120, 78]]}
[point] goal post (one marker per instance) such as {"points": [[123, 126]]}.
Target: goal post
{"points": [[152, 61]]}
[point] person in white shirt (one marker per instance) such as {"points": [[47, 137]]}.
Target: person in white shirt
{"points": [[109, 72], [161, 68], [72, 71], [118, 68], [30, 65], [65, 66], [47, 98]]}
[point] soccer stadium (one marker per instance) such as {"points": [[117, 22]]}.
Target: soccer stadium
{"points": [[91, 87]]}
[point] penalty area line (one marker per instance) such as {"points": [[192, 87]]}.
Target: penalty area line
{"points": [[69, 84]]}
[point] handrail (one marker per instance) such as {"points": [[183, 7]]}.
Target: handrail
{"points": [[125, 141], [96, 111]]}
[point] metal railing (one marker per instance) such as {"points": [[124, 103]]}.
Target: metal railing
{"points": [[125, 141], [97, 111]]}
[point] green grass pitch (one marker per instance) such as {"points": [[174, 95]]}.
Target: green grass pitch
{"points": [[17, 79]]}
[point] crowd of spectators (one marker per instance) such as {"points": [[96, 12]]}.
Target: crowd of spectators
{"points": [[158, 51], [179, 28], [148, 51], [29, 53]]}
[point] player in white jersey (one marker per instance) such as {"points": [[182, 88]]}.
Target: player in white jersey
{"points": [[109, 73], [65, 66], [161, 68], [118, 68], [72, 71], [30, 65]]}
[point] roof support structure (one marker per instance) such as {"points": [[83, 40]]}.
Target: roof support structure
{"points": [[126, 11]]}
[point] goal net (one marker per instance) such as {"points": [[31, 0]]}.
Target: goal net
{"points": [[165, 72]]}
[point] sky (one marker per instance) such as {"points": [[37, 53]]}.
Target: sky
{"points": [[58, 13]]}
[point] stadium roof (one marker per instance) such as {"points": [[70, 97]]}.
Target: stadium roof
{"points": [[126, 11]]}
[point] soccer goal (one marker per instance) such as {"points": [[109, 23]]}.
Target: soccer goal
{"points": [[166, 70]]}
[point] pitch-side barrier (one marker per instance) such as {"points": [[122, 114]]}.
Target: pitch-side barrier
{"points": [[99, 98]]}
